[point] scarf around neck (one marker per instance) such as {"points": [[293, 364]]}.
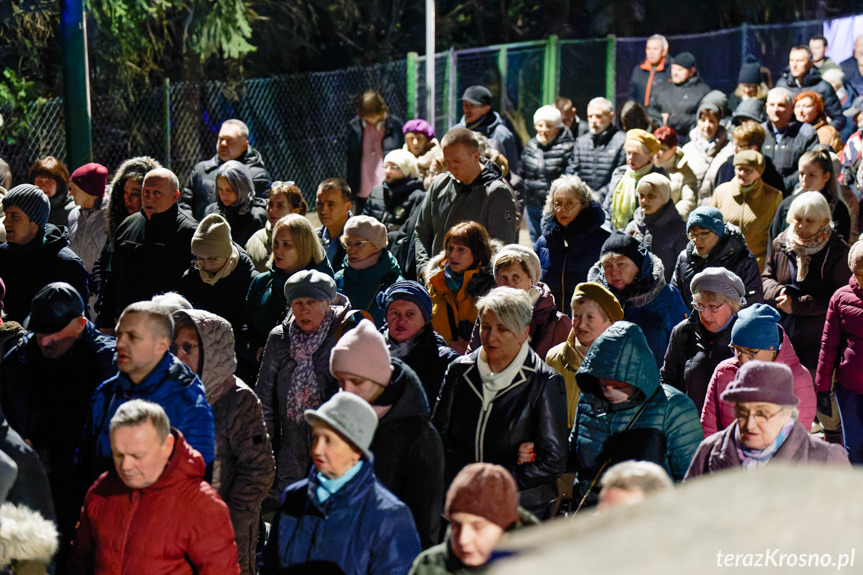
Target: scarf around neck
{"points": [[401, 350], [754, 458], [328, 487], [803, 248], [454, 280], [304, 392], [625, 199], [494, 382], [225, 271]]}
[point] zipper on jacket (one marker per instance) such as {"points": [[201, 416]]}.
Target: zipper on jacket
{"points": [[136, 496]]}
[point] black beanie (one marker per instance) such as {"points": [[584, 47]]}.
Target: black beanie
{"points": [[750, 71], [624, 245]]}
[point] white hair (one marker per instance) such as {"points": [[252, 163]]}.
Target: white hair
{"points": [[809, 204], [780, 92], [661, 38], [605, 103]]}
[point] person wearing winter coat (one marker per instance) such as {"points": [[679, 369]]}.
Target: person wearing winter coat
{"points": [[809, 109], [147, 370], [622, 199], [656, 223], [572, 236], [236, 201], [295, 248], [594, 309], [802, 75], [411, 338], [29, 540], [52, 177], [598, 153], [401, 193], [786, 139], [839, 365], [245, 467], [295, 372], [708, 148], [701, 341], [756, 335], [30, 487], [748, 135], [421, 143], [479, 117], [713, 243], [684, 184], [36, 252], [471, 190], [481, 505], [651, 74], [283, 198], [545, 157], [766, 428], [748, 202], [88, 224], [636, 277], [407, 449], [502, 404], [750, 83], [518, 267], [341, 518], [675, 103], [456, 278], [369, 267], [620, 388], [232, 144], [153, 511]]}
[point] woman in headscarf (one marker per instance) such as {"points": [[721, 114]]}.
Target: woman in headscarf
{"points": [[235, 199], [622, 199]]}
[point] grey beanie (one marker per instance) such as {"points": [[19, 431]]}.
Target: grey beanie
{"points": [[311, 284], [212, 238], [30, 200], [721, 281], [369, 228], [349, 415], [524, 255]]}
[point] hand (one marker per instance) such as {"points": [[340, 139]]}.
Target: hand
{"points": [[525, 453], [783, 302], [824, 403], [459, 345]]}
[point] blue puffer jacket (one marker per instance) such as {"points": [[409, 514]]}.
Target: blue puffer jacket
{"points": [[648, 302], [621, 354], [171, 384], [362, 528]]}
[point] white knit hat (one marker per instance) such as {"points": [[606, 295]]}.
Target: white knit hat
{"points": [[548, 114]]}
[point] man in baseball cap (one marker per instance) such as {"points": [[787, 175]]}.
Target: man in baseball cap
{"points": [[476, 103]]}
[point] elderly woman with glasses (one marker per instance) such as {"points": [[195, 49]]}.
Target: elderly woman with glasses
{"points": [[502, 404], [756, 335], [701, 341], [369, 267], [765, 427]]}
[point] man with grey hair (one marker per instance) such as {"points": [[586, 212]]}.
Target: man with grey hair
{"points": [[148, 512], [631, 482], [787, 139], [148, 370], [597, 153], [232, 144], [152, 248], [801, 74], [651, 73]]}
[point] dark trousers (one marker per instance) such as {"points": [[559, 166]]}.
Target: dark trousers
{"points": [[851, 415]]}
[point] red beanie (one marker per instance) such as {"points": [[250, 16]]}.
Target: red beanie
{"points": [[92, 178]]}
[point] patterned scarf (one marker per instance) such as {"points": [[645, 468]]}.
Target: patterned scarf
{"points": [[304, 392], [625, 199], [752, 458], [803, 248]]}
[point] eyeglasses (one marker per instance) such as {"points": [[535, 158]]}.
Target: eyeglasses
{"points": [[565, 205], [186, 347], [288, 184], [700, 307], [758, 416], [738, 351], [358, 244], [698, 236]]}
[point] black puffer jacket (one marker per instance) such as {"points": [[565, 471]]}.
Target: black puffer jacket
{"points": [[200, 190], [663, 233], [393, 203], [692, 355], [409, 454], [393, 140], [797, 138], [731, 253], [813, 81], [680, 102], [542, 164], [244, 220], [596, 157], [31, 487], [429, 358]]}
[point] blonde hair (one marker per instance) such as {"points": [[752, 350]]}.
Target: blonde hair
{"points": [[810, 204], [305, 239]]}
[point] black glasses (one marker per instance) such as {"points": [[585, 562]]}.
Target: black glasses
{"points": [[186, 347]]}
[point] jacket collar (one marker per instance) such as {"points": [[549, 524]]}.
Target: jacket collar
{"points": [[525, 373]]}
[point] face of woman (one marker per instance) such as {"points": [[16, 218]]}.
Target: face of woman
{"points": [[760, 423], [309, 313], [514, 276], [277, 208], [588, 322], [750, 90], [187, 348], [501, 344], [620, 271], [392, 172], [713, 314], [745, 175], [806, 226], [285, 254], [805, 111], [331, 454], [132, 196], [227, 195], [416, 143], [47, 184], [358, 248], [459, 257], [708, 123], [665, 153], [616, 391], [473, 538], [210, 264], [812, 177], [703, 239], [649, 200], [566, 207], [404, 320], [636, 155]]}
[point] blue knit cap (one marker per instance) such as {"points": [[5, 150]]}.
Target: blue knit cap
{"points": [[30, 200], [757, 328], [409, 291], [707, 217]]}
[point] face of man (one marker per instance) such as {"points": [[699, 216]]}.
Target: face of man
{"points": [[473, 538], [679, 74], [598, 119], [462, 162], [20, 229], [139, 346], [139, 456], [473, 113], [333, 208], [567, 116], [187, 348], [799, 63], [653, 51], [157, 195], [56, 345], [231, 144], [779, 111], [818, 49], [858, 48]]}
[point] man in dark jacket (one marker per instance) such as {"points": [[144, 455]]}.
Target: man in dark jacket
{"points": [[652, 72], [786, 139], [334, 208], [469, 191], [479, 117], [152, 248], [598, 153], [36, 253], [47, 381], [675, 103], [233, 144], [851, 68], [408, 450], [802, 74]]}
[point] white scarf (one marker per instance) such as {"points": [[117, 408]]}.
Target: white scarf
{"points": [[494, 382]]}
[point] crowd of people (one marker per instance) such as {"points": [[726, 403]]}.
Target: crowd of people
{"points": [[196, 379]]}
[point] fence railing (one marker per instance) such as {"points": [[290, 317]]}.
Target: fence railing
{"points": [[298, 122]]}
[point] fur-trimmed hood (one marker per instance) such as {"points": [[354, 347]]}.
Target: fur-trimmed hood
{"points": [[480, 284], [646, 286], [25, 536]]}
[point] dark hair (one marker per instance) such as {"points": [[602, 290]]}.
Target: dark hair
{"points": [[131, 169], [474, 237], [821, 158], [461, 136], [370, 102], [633, 116], [804, 47], [564, 105], [819, 37], [50, 167], [336, 183]]}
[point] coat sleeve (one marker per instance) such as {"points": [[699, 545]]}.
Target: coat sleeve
{"points": [[249, 444], [424, 229], [549, 435], [81, 562], [698, 466], [426, 478], [684, 433], [211, 547], [828, 357], [265, 388], [475, 342], [751, 278], [835, 277], [502, 213], [769, 279], [443, 405], [805, 390], [396, 545], [833, 108], [688, 195], [671, 372], [710, 412], [199, 428]]}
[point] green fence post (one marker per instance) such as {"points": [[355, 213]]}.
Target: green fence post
{"points": [[76, 84], [551, 70], [610, 67], [502, 68], [166, 88], [412, 75]]}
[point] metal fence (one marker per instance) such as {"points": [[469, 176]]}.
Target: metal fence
{"points": [[298, 122]]}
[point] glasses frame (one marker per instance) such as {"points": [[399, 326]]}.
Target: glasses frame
{"points": [[186, 347]]}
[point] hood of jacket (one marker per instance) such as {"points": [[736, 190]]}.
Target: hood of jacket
{"points": [[26, 535], [185, 465], [620, 353], [646, 286], [591, 217], [543, 309], [412, 401], [218, 358]]}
